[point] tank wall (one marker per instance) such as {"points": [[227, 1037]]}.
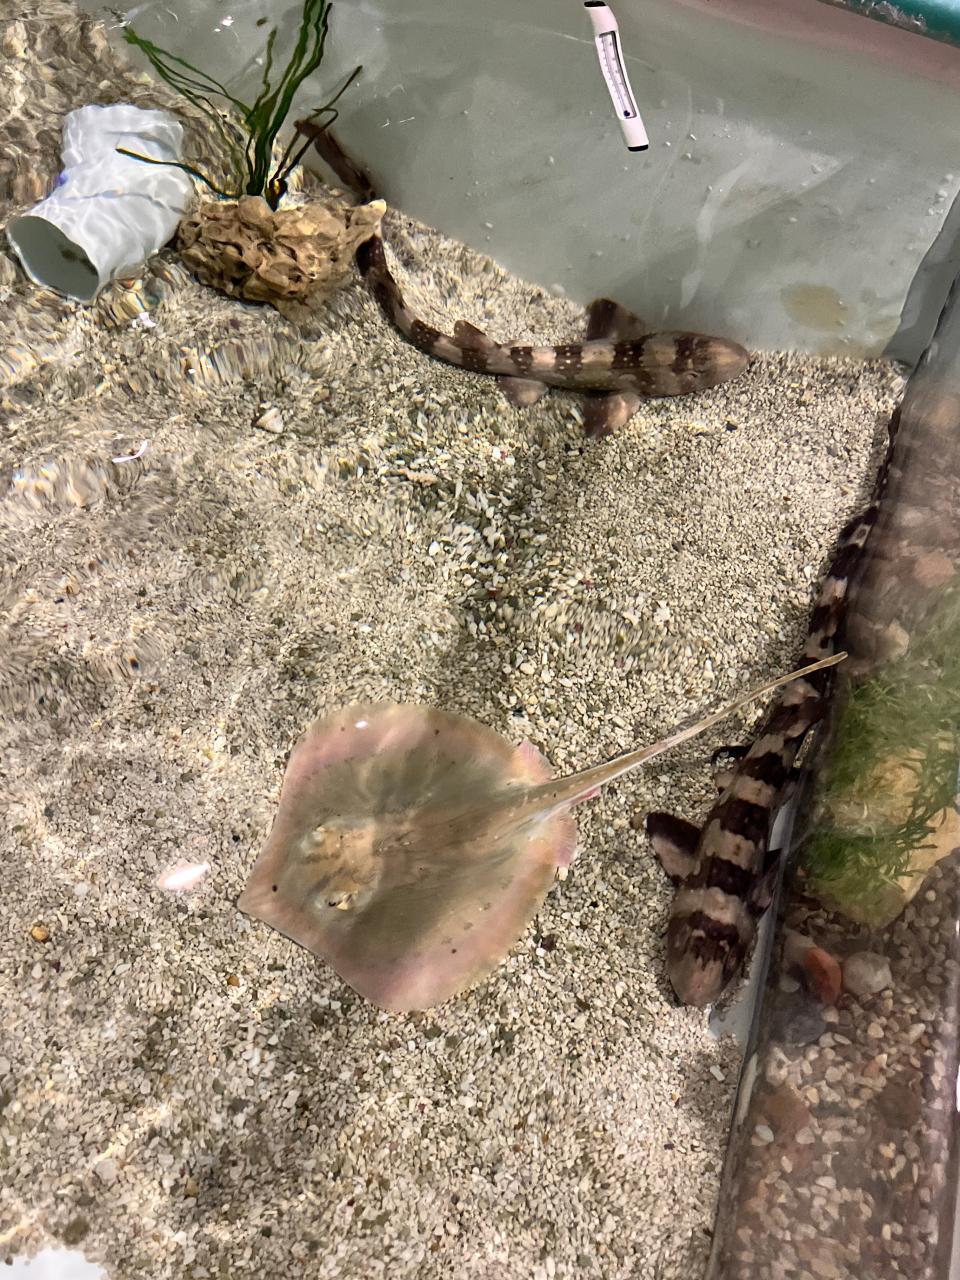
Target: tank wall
{"points": [[844, 1157]]}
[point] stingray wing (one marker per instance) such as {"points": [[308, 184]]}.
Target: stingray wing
{"points": [[424, 896]]}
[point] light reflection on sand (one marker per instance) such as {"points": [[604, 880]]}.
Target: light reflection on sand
{"points": [[183, 876]]}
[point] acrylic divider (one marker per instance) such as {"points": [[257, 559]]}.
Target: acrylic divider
{"points": [[842, 1159]]}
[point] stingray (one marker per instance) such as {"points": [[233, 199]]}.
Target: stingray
{"points": [[412, 846]]}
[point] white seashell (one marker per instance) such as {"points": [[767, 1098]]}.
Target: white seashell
{"points": [[270, 420]]}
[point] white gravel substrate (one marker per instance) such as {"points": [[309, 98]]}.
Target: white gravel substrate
{"points": [[186, 1093]]}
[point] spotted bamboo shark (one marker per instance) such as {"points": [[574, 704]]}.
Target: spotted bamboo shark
{"points": [[724, 871]]}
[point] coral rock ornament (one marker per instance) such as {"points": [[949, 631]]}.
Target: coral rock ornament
{"points": [[291, 258]]}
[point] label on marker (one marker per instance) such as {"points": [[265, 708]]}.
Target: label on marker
{"points": [[607, 39]]}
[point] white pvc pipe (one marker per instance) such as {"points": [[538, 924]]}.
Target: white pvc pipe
{"points": [[108, 212]]}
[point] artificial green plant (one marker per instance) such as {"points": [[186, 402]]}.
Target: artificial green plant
{"points": [[907, 714], [250, 145]]}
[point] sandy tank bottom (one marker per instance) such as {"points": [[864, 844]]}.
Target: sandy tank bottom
{"points": [[183, 1092]]}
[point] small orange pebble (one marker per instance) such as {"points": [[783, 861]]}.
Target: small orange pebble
{"points": [[233, 980], [40, 932], [825, 974]]}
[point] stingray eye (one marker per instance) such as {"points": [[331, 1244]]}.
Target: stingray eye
{"points": [[315, 843]]}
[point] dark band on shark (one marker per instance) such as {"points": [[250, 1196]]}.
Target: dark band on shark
{"points": [[724, 871], [707, 934]]}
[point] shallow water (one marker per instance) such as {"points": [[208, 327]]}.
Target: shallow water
{"points": [[783, 134], [186, 1090]]}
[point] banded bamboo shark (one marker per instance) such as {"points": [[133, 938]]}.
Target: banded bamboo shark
{"points": [[617, 364], [724, 872]]}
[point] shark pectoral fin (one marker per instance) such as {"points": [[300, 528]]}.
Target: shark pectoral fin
{"points": [[761, 895], [674, 842], [607, 411], [468, 335], [728, 753], [521, 392], [608, 319]]}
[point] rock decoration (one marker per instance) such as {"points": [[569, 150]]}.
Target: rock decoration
{"points": [[292, 258], [866, 973]]}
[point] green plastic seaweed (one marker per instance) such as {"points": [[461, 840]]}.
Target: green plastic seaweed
{"points": [[249, 146], [908, 713]]}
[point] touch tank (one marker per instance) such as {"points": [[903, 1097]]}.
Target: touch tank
{"points": [[843, 1152], [242, 489]]}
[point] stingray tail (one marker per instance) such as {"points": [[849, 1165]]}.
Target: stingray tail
{"points": [[561, 793]]}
